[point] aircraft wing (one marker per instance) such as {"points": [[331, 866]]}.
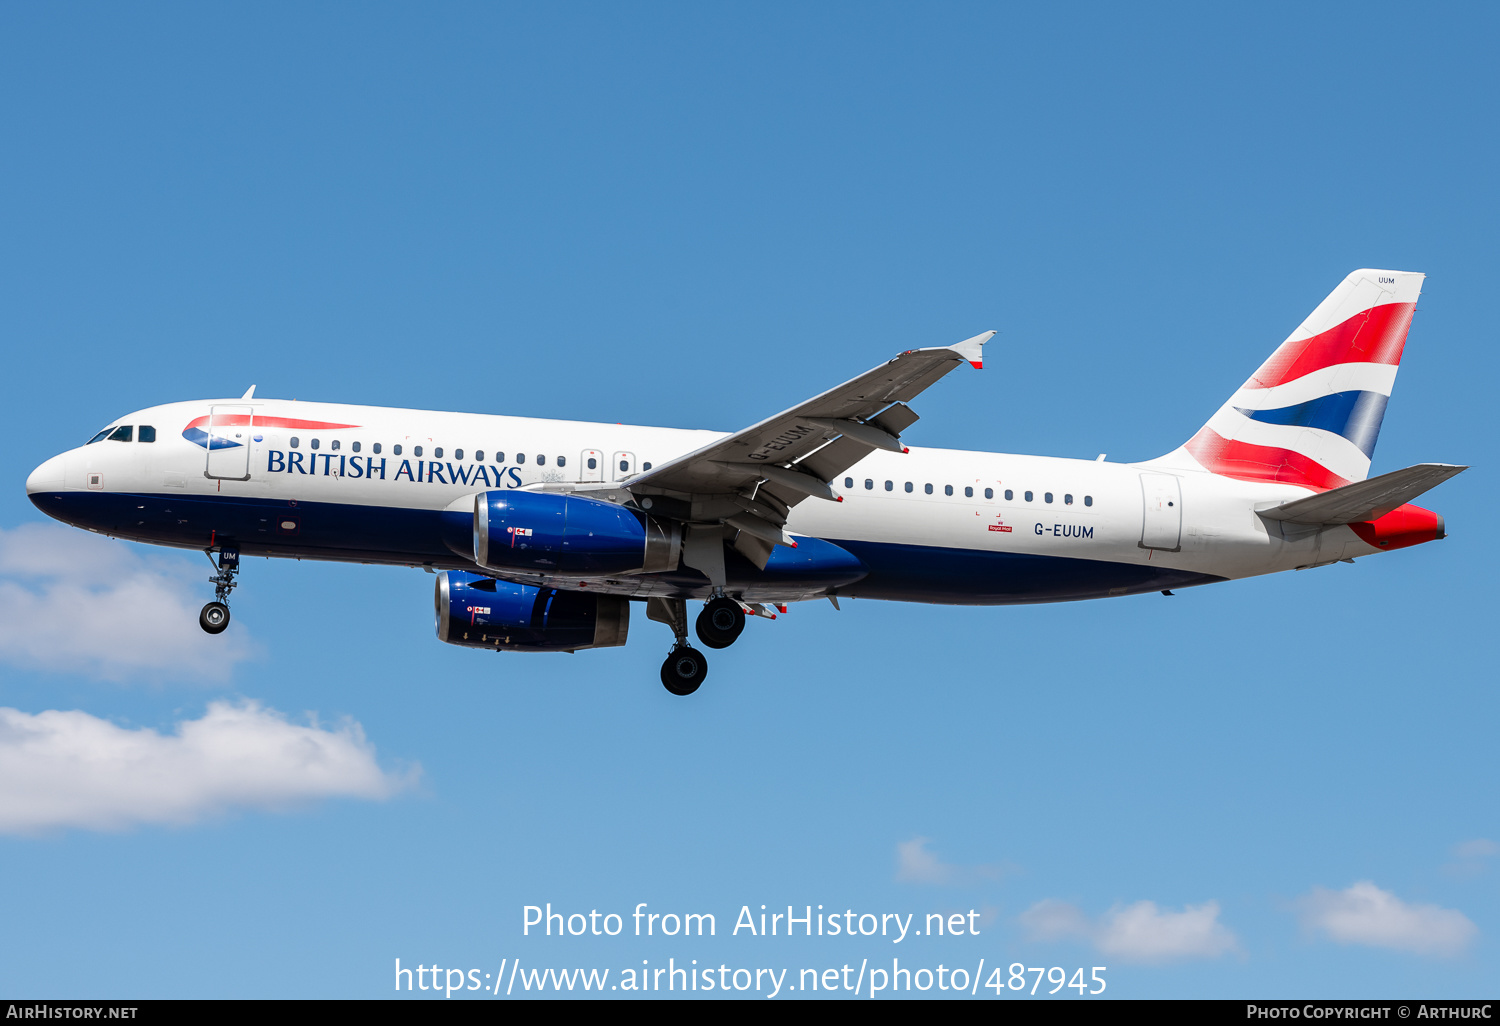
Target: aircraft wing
{"points": [[1364, 500], [750, 479]]}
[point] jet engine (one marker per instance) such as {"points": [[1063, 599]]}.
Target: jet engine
{"points": [[481, 612], [570, 536]]}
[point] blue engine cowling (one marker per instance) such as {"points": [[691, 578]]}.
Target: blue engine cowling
{"points": [[570, 536], [482, 612]]}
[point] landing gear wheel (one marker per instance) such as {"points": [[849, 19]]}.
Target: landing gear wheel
{"points": [[720, 623], [214, 617], [684, 670]]}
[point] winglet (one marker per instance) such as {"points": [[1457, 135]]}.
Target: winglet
{"points": [[972, 349]]}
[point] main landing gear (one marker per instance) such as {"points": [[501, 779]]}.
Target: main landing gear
{"points": [[718, 626], [685, 668], [214, 617], [720, 623]]}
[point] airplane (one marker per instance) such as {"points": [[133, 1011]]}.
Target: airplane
{"points": [[542, 533]]}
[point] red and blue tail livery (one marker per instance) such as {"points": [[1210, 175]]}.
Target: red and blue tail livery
{"points": [[1311, 414], [544, 535]]}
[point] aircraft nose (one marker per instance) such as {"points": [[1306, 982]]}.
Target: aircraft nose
{"points": [[46, 478]]}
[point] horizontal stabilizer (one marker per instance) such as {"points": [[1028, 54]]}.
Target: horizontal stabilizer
{"points": [[1364, 500]]}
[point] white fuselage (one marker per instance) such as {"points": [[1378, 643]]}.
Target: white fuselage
{"points": [[921, 517]]}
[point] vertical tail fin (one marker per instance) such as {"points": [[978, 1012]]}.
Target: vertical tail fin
{"points": [[1311, 414]]}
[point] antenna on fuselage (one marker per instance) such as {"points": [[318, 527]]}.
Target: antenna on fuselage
{"points": [[249, 393]]}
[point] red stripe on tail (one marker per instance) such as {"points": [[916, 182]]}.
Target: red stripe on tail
{"points": [[1246, 462], [1376, 335]]}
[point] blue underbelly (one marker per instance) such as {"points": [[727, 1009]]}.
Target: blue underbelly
{"points": [[384, 534], [925, 573]]}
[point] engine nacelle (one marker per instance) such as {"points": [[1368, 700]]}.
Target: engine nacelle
{"points": [[570, 536], [481, 612]]}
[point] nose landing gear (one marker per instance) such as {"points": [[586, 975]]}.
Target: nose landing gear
{"points": [[214, 617]]}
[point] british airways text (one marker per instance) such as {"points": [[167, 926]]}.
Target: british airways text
{"points": [[417, 471]]}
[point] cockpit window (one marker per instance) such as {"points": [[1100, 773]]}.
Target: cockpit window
{"points": [[123, 433], [101, 436], [147, 434]]}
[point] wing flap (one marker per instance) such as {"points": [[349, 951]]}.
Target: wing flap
{"points": [[835, 458], [896, 419], [754, 549]]}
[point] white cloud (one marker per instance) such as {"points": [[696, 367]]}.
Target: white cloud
{"points": [[78, 602], [1141, 932], [1479, 848], [69, 769], [916, 864], [1365, 914]]}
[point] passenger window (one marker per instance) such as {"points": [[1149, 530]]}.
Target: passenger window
{"points": [[624, 466], [968, 491], [335, 445], [644, 466], [562, 461], [295, 442], [520, 457], [869, 483], [593, 463], [416, 450], [499, 457], [541, 461], [479, 455], [1088, 500], [989, 493], [1009, 495], [315, 443], [1047, 497], [927, 488], [1068, 499], [148, 433], [458, 454], [122, 434], [396, 448], [908, 486], [354, 446], [890, 486], [437, 453], [101, 436], [947, 489], [376, 447], [848, 482], [1028, 496]]}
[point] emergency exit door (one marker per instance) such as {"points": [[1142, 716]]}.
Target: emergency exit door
{"points": [[1161, 527], [591, 465]]}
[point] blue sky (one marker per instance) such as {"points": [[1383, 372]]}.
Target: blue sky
{"points": [[695, 216]]}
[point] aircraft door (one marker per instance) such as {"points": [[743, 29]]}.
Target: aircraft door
{"points": [[229, 431], [591, 465], [622, 465], [1161, 527]]}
